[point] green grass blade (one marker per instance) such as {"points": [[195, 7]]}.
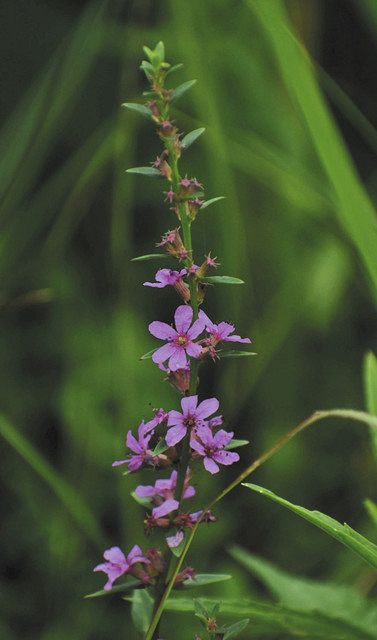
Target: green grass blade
{"points": [[333, 600], [341, 532], [355, 210], [73, 502], [370, 386], [266, 617]]}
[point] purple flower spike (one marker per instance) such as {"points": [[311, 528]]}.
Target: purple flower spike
{"points": [[211, 448], [118, 564], [179, 340], [139, 447], [192, 416], [166, 277]]}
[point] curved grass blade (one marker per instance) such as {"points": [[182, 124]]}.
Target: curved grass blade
{"points": [[73, 502], [341, 532]]}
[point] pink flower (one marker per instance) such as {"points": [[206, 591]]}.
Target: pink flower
{"points": [[175, 540], [166, 277], [211, 448], [164, 489], [170, 195], [139, 447], [118, 564], [211, 262], [220, 332], [192, 417], [180, 340], [169, 277]]}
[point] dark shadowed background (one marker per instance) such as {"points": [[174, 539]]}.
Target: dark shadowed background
{"points": [[74, 315]]}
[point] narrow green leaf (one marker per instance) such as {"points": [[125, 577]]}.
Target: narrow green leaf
{"points": [[202, 579], [298, 74], [68, 495], [148, 69], [233, 444], [139, 108], [176, 67], [276, 618], [148, 355], [179, 91], [200, 610], [119, 588], [151, 172], [190, 138], [370, 386], [341, 602], [144, 502], [160, 448], [341, 532], [236, 354], [141, 609], [159, 52], [207, 203], [235, 629], [149, 256], [223, 280], [371, 507]]}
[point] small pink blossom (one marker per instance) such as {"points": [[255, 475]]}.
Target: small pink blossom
{"points": [[175, 540], [166, 277], [211, 448], [170, 195], [220, 332], [211, 262], [193, 416], [139, 447], [118, 564], [179, 340], [185, 182]]}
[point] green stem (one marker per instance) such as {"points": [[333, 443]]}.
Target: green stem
{"points": [[185, 448]]}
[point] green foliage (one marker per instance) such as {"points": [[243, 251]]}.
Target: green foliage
{"points": [[342, 533], [370, 384], [223, 280], [343, 603], [180, 91], [139, 108], [268, 619], [150, 172], [149, 256], [141, 609], [191, 137]]}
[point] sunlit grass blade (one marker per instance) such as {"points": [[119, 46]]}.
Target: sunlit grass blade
{"points": [[71, 499], [355, 210]]}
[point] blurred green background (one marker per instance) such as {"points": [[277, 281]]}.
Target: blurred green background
{"points": [[297, 225]]}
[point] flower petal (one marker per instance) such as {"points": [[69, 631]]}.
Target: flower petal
{"points": [[132, 443], [135, 463], [162, 330], [237, 339], [178, 359], [197, 446], [115, 555], [175, 435], [175, 541], [210, 465], [189, 405], [136, 555], [226, 457], [183, 318], [164, 352], [145, 491], [189, 492], [196, 329], [205, 434], [207, 407], [166, 507], [157, 285], [222, 438], [117, 463], [194, 350]]}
